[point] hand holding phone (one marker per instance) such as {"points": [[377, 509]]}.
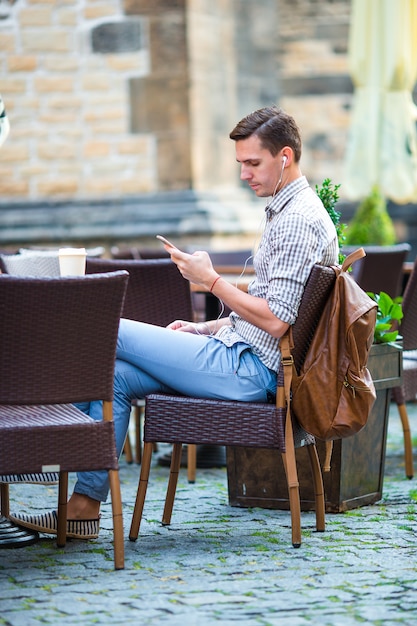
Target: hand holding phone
{"points": [[166, 242]]}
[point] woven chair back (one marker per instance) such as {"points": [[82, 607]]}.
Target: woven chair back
{"points": [[381, 269], [47, 325], [156, 294]]}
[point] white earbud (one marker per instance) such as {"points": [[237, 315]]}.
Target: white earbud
{"points": [[284, 160]]}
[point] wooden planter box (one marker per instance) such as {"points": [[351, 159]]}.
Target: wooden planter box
{"points": [[256, 477]]}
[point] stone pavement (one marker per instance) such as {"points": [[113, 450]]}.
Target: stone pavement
{"points": [[220, 564]]}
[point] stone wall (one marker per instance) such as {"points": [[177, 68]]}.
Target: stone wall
{"points": [[65, 68], [120, 110]]}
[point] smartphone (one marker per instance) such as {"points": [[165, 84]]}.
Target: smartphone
{"points": [[166, 242]]}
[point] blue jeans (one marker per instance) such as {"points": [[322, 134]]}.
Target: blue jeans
{"points": [[152, 359]]}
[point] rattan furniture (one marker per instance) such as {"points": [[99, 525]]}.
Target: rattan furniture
{"points": [[157, 294], [54, 333], [381, 269], [179, 419]]}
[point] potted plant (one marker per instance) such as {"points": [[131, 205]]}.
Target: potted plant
{"points": [[371, 223]]}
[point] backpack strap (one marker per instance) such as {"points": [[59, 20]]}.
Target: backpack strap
{"points": [[352, 257], [286, 343]]}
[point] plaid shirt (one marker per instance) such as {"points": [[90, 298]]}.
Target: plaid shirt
{"points": [[298, 234]]}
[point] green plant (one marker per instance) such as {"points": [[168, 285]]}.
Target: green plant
{"points": [[389, 313], [328, 194], [372, 224]]}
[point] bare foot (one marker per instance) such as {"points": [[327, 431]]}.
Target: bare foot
{"points": [[82, 507]]}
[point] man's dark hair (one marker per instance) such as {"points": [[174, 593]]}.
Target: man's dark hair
{"points": [[274, 127]]}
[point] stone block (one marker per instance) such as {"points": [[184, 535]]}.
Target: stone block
{"points": [[7, 42], [22, 63], [58, 186], [57, 40], [54, 84], [36, 16], [117, 37], [53, 150], [93, 149], [15, 188]]}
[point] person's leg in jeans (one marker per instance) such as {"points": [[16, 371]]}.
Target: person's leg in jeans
{"points": [[152, 359]]}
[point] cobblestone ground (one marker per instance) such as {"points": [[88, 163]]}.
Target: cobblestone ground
{"points": [[217, 563]]}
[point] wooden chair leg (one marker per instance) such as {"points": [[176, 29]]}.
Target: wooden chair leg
{"points": [[318, 488], [61, 539], [191, 462], [5, 499], [116, 503], [294, 500], [138, 433], [172, 484], [408, 447], [141, 493], [138, 413]]}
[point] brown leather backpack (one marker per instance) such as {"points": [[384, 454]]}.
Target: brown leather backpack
{"points": [[333, 393]]}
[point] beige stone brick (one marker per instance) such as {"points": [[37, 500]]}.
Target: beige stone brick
{"points": [[22, 63], [67, 17], [111, 98], [109, 126], [61, 63], [137, 63], [54, 84], [100, 185], [70, 169], [33, 169], [55, 118], [135, 185], [18, 188], [94, 149], [7, 42], [71, 132], [58, 186], [65, 102], [22, 102], [13, 86], [13, 151], [97, 82], [35, 16], [53, 150], [96, 10], [134, 145], [104, 112], [7, 172], [56, 40]]}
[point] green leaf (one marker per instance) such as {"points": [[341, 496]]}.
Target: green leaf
{"points": [[389, 312]]}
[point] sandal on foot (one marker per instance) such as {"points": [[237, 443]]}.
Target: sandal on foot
{"points": [[11, 536], [48, 523]]}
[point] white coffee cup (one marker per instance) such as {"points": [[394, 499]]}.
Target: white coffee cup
{"points": [[72, 261]]}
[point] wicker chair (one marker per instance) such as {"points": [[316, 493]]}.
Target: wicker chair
{"points": [[179, 419], [157, 294], [34, 262], [139, 253], [408, 390], [53, 331], [381, 269]]}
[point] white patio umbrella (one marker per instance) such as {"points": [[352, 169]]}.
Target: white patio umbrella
{"points": [[382, 142]]}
